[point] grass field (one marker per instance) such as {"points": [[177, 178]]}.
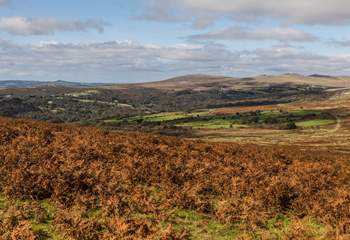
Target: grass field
{"points": [[303, 118], [284, 116], [212, 124], [212, 119], [170, 116], [315, 123], [161, 117]]}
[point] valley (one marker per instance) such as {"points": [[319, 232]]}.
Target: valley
{"points": [[261, 110]]}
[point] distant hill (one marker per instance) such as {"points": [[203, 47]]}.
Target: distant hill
{"points": [[34, 84], [200, 82], [207, 82], [320, 76]]}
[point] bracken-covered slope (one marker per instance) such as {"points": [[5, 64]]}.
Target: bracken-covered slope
{"points": [[67, 182]]}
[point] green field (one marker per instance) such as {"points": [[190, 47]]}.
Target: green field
{"points": [[303, 118], [170, 116], [162, 117], [315, 123], [212, 124], [292, 114], [206, 119]]}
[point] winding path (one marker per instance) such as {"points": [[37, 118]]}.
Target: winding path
{"points": [[337, 127]]}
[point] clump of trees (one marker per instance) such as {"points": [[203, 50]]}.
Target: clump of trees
{"points": [[291, 126]]}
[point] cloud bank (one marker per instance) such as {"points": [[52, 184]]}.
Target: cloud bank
{"points": [[275, 34], [204, 12], [122, 61], [273, 26], [46, 26]]}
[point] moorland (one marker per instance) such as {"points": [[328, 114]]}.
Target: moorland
{"points": [[194, 157], [69, 182], [285, 109]]}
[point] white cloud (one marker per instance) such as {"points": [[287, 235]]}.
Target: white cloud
{"points": [[310, 12], [46, 26], [130, 61], [277, 34]]}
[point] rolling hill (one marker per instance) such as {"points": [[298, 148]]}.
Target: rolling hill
{"points": [[199, 82], [206, 82]]}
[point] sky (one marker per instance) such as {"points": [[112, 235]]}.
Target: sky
{"points": [[121, 41]]}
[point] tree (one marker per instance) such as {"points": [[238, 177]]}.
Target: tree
{"points": [[291, 126]]}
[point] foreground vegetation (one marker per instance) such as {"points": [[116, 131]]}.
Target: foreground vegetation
{"points": [[68, 182]]}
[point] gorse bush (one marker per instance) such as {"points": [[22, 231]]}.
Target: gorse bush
{"points": [[86, 183]]}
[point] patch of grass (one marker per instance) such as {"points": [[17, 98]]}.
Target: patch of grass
{"points": [[115, 121], [47, 230], [44, 227], [164, 117], [241, 120], [298, 113], [207, 119], [140, 216], [271, 113], [169, 116], [283, 227], [188, 215], [212, 124], [319, 231], [82, 93], [94, 213], [45, 204], [202, 226], [3, 203], [315, 123], [304, 112], [278, 226]]}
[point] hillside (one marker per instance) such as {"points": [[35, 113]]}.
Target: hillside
{"points": [[69, 182], [198, 82], [206, 82], [189, 82], [315, 79], [94, 104]]}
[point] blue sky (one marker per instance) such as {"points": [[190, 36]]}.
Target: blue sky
{"points": [[144, 40]]}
